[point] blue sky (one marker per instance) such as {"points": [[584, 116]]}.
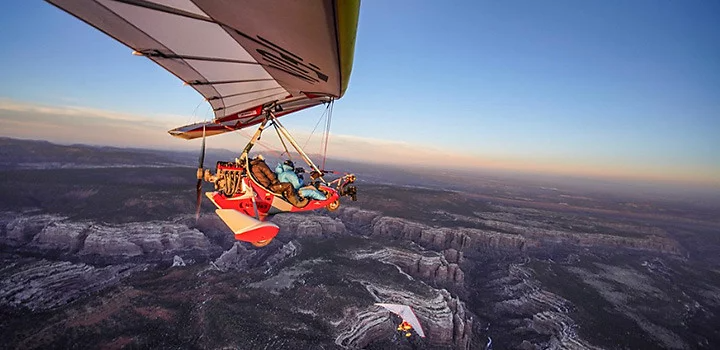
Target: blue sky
{"points": [[629, 86]]}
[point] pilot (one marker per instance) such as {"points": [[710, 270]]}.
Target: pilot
{"points": [[262, 172], [286, 173], [406, 327]]}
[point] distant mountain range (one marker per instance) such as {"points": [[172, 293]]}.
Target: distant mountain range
{"points": [[24, 154], [38, 154]]}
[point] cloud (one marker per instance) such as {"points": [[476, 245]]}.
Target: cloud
{"points": [[74, 111], [76, 124]]}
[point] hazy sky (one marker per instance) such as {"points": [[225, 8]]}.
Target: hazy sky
{"points": [[598, 88]]}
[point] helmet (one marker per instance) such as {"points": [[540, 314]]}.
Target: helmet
{"points": [[290, 163]]}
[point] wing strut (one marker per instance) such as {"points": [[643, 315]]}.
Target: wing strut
{"points": [[295, 145], [253, 139], [252, 192], [282, 141]]}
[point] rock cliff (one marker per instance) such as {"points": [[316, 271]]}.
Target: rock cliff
{"points": [[42, 284], [307, 225], [537, 315], [501, 234], [444, 319], [153, 241], [431, 266]]}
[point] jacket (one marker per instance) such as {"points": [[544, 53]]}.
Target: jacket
{"points": [[286, 173], [262, 173]]}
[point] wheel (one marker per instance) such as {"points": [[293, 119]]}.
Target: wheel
{"points": [[334, 205], [262, 243]]}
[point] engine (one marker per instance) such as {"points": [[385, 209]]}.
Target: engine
{"points": [[228, 178]]}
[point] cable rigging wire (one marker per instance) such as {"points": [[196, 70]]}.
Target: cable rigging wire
{"points": [[322, 116], [327, 132]]}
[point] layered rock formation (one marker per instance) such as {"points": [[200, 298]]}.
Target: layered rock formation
{"points": [[62, 236], [154, 241], [566, 229], [444, 319], [436, 259], [521, 301], [18, 228], [139, 242], [430, 266], [42, 284], [307, 225], [357, 219], [241, 258], [440, 239], [507, 232], [443, 316]]}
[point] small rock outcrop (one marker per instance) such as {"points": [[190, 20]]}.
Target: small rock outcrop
{"points": [[235, 258], [306, 225], [241, 257], [178, 261]]}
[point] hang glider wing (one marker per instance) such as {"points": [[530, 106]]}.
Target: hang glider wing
{"points": [[245, 118], [406, 313], [239, 55]]}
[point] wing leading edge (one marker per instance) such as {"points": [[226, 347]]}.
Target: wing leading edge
{"points": [[237, 55]]}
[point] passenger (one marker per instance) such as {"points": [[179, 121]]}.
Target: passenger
{"points": [[266, 177], [288, 179], [286, 173], [312, 192]]}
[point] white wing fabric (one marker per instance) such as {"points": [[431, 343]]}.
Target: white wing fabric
{"points": [[406, 313], [237, 54]]}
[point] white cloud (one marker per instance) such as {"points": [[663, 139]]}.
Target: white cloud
{"points": [[85, 112], [75, 124]]}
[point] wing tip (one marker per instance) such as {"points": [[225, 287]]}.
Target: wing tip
{"points": [[179, 134]]}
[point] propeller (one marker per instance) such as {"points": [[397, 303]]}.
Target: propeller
{"points": [[200, 177]]}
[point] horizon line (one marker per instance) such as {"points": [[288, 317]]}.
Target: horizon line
{"points": [[414, 167], [107, 128]]}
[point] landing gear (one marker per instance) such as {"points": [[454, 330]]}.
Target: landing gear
{"points": [[343, 186], [262, 243], [333, 206]]}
